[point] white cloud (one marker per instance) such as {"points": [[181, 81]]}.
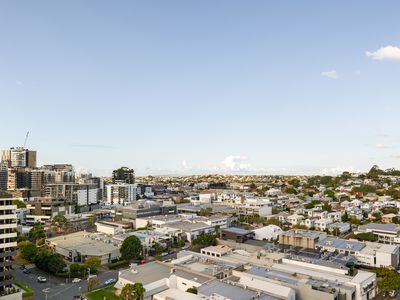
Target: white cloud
{"points": [[184, 164], [338, 170], [330, 74], [381, 146], [235, 163], [385, 53]]}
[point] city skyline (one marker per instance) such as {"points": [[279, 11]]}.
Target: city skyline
{"points": [[193, 88]]}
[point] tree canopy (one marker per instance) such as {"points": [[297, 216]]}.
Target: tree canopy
{"points": [[131, 248], [93, 263], [205, 240], [133, 291]]}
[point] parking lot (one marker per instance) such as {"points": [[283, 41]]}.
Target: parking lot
{"points": [[58, 288]]}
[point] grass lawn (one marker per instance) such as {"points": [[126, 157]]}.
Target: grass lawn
{"points": [[106, 293]]}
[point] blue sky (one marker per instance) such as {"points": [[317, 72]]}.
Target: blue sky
{"points": [[183, 87]]}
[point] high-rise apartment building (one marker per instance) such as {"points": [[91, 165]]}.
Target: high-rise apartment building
{"points": [[19, 157], [18, 178], [58, 173], [123, 175], [36, 183], [3, 176], [120, 193], [8, 246]]}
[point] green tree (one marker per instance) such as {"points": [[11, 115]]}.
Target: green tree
{"points": [[133, 291], [388, 280], [127, 292], [59, 221], [93, 263], [28, 250], [326, 206], [290, 190], [272, 221], [192, 290], [93, 282], [56, 263], [77, 270], [158, 248], [19, 203], [389, 210], [366, 236], [205, 240], [138, 291], [49, 262], [205, 212], [37, 232], [396, 220], [345, 217], [131, 248], [377, 215]]}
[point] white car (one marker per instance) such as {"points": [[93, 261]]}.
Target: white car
{"points": [[76, 280], [110, 281], [41, 279]]}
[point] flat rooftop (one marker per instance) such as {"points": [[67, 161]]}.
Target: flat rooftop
{"points": [[233, 292], [304, 233], [84, 243], [388, 227], [342, 244], [237, 230]]}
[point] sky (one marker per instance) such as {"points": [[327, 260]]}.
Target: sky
{"points": [[193, 87]]}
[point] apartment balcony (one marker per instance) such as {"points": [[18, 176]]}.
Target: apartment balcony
{"points": [[6, 264], [8, 226], [8, 217], [7, 282], [8, 207], [7, 272], [8, 253], [8, 245], [8, 235]]}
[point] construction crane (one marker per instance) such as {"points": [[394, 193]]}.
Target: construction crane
{"points": [[26, 139]]}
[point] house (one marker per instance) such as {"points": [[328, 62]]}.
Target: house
{"points": [[283, 217], [339, 227], [388, 218], [295, 219], [335, 216], [267, 233], [309, 223], [322, 224]]}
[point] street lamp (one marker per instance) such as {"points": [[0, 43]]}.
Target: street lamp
{"points": [[46, 292]]}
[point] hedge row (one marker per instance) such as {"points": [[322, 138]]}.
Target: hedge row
{"points": [[28, 291], [118, 264]]}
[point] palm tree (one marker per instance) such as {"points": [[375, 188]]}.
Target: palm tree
{"points": [[133, 291], [127, 291], [139, 291]]}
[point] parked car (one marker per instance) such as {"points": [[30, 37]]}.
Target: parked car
{"points": [[41, 279], [110, 281], [22, 267], [26, 271], [76, 280]]}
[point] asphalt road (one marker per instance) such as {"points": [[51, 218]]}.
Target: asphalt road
{"points": [[59, 288]]}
